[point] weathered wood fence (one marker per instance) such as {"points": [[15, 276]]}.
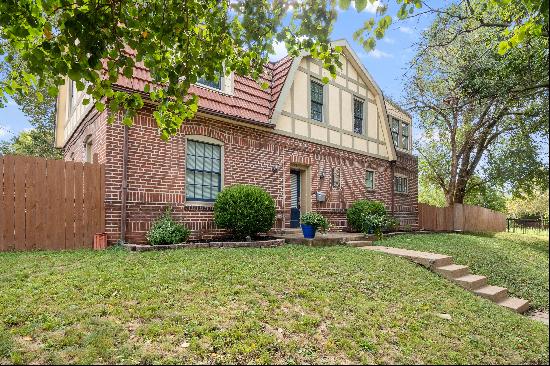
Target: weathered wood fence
{"points": [[50, 204], [460, 218]]}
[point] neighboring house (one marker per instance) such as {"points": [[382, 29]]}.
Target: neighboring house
{"points": [[311, 146]]}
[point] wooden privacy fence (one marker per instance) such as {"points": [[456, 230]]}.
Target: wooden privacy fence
{"points": [[50, 204], [460, 218]]}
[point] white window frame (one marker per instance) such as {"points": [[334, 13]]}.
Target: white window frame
{"points": [[367, 171]]}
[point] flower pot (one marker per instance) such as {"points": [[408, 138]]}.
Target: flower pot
{"points": [[309, 231], [100, 241]]}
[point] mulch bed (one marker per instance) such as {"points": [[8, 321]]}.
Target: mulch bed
{"points": [[258, 243]]}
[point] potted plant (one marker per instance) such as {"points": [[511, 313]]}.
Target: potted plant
{"points": [[310, 222]]}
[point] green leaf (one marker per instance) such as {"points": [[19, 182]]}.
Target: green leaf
{"points": [[360, 5], [99, 106], [344, 4]]}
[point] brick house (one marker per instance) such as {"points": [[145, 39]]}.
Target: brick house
{"points": [[311, 146]]}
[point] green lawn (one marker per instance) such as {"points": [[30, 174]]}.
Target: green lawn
{"points": [[282, 305], [516, 261]]}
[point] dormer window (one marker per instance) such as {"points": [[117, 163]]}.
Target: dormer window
{"points": [[214, 84], [395, 131], [405, 136], [400, 134]]}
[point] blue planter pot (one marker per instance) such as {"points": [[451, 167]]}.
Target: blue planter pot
{"points": [[309, 231]]}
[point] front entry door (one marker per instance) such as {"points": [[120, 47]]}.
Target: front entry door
{"points": [[294, 198]]}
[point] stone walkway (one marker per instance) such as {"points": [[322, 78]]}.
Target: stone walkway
{"points": [[540, 316], [459, 274]]}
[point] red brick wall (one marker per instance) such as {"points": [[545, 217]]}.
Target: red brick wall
{"points": [[94, 126], [406, 205], [156, 174]]}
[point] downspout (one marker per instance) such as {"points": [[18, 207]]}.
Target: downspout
{"points": [[392, 184], [124, 187]]}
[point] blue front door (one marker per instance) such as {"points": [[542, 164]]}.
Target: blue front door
{"points": [[294, 198]]}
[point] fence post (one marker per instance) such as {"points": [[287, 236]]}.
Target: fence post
{"points": [[458, 217]]}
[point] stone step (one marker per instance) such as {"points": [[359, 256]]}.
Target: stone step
{"points": [[430, 260], [516, 304], [358, 243], [452, 271], [493, 293], [471, 282]]}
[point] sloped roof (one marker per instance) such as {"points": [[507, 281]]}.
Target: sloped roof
{"points": [[248, 102]]}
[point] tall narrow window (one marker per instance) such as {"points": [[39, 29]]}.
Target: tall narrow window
{"points": [[357, 116], [89, 155], [316, 101], [395, 131], [72, 95], [369, 179], [405, 136], [215, 84], [400, 185], [336, 178], [203, 171]]}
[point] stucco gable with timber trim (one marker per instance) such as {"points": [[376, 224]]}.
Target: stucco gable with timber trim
{"points": [[291, 114]]}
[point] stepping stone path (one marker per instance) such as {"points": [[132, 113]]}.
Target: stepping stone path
{"points": [[443, 265]]}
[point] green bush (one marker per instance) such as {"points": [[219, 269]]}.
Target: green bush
{"points": [[360, 209], [245, 210], [315, 219], [370, 217], [165, 230]]}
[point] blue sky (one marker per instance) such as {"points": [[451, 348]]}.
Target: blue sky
{"points": [[386, 64]]}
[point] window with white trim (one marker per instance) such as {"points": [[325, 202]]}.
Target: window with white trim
{"points": [[369, 179], [316, 101], [401, 184], [395, 131], [357, 115], [214, 84], [203, 171], [405, 136]]}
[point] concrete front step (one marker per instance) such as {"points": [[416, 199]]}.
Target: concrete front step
{"points": [[493, 293], [459, 274], [470, 281], [358, 243], [452, 271], [430, 260], [516, 304]]}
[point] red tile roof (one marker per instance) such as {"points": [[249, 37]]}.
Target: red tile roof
{"points": [[248, 102]]}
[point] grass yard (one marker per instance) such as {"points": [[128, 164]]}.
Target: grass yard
{"points": [[282, 305], [516, 261]]}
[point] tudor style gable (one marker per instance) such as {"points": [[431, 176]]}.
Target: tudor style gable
{"points": [[349, 112]]}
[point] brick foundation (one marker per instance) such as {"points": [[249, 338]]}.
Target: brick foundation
{"points": [[156, 173]]}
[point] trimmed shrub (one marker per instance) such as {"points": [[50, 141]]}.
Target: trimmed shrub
{"points": [[370, 217], [165, 230], [315, 219], [245, 210], [360, 209]]}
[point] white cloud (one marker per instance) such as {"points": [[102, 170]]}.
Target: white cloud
{"points": [[406, 30], [376, 53], [388, 40], [280, 51], [3, 131]]}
